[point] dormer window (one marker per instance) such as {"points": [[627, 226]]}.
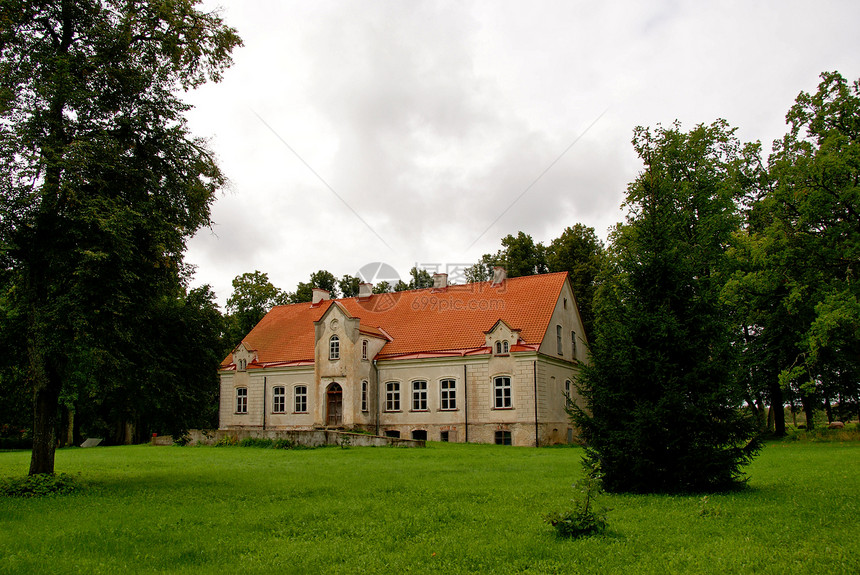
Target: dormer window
{"points": [[334, 347], [498, 347], [504, 347], [242, 365]]}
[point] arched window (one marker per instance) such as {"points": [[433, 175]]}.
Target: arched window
{"points": [[364, 396], [498, 347], [364, 349], [504, 347], [334, 347]]}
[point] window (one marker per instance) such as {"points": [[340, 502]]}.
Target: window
{"points": [[392, 433], [278, 400], [565, 303], [567, 398], [419, 434], [498, 347], [364, 349], [504, 347], [558, 339], [419, 396], [242, 365], [502, 393], [443, 436], [449, 394], [241, 400], [363, 396], [392, 396], [334, 347], [503, 438], [573, 344], [301, 398]]}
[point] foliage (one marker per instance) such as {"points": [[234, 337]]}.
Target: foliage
{"points": [[39, 485], [101, 182], [349, 285], [797, 256], [227, 441], [584, 518], [256, 442], [253, 296], [851, 432], [382, 287], [321, 279], [579, 252], [421, 279], [662, 410]]}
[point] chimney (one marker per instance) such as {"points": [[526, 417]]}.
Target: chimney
{"points": [[320, 295], [499, 275], [440, 281], [365, 290]]}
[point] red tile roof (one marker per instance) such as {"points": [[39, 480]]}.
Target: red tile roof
{"points": [[417, 323]]}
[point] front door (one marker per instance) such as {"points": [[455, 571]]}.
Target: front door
{"points": [[334, 405]]}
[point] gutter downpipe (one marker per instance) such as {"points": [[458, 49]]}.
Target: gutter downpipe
{"points": [[537, 436], [466, 402], [264, 404], [378, 391]]}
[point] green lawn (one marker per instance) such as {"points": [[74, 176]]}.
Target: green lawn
{"points": [[447, 508]]}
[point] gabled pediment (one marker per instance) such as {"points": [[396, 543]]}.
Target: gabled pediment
{"points": [[501, 333], [243, 355]]}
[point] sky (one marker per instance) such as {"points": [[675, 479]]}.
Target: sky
{"points": [[421, 133]]}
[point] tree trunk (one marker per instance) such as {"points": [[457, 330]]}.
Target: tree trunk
{"points": [[777, 403], [70, 428], [808, 411], [46, 404]]}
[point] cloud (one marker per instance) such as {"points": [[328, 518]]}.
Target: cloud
{"points": [[429, 119]]}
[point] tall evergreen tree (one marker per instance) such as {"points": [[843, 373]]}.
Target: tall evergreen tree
{"points": [[662, 396], [101, 182]]}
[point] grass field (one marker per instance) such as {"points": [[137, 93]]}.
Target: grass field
{"points": [[448, 508]]}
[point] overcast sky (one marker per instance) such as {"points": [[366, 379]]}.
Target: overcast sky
{"points": [[424, 132]]}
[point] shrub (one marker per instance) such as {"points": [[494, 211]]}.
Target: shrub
{"points": [[227, 441], [584, 518], [181, 440], [38, 485], [256, 442], [284, 444]]}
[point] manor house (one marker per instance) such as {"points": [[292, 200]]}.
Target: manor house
{"points": [[482, 362]]}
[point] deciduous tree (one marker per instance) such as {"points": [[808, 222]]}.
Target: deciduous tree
{"points": [[101, 181], [252, 298]]}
